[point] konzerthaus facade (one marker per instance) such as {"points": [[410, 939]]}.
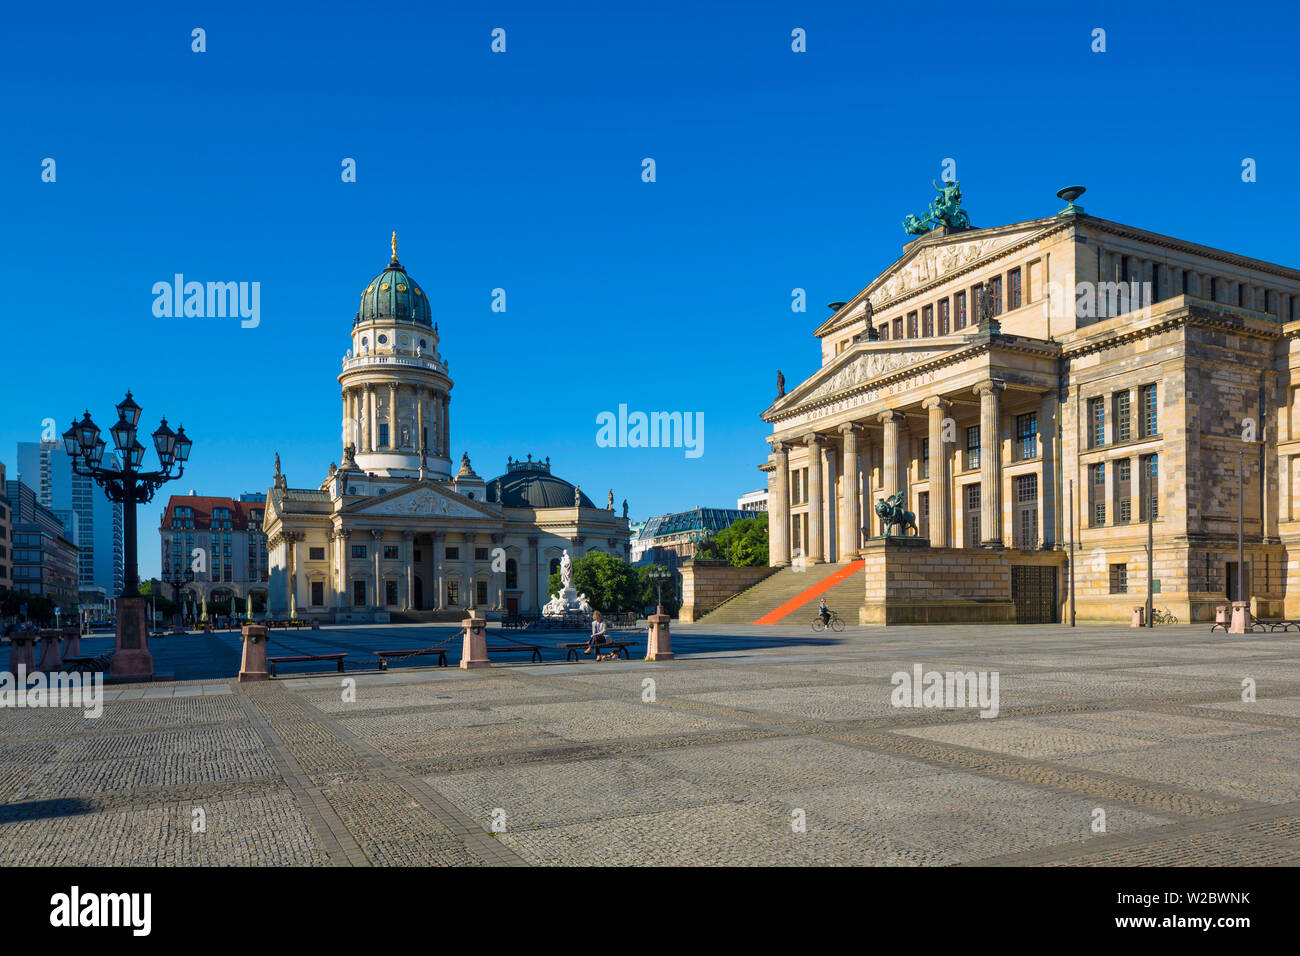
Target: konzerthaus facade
{"points": [[392, 528], [1131, 365]]}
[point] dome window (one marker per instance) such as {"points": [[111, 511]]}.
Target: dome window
{"points": [[401, 288], [383, 339], [364, 341], [423, 344]]}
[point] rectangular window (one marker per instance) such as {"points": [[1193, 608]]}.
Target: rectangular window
{"points": [[480, 554], [1097, 494], [1027, 435], [959, 310], [359, 551], [358, 593], [995, 293], [911, 325], [390, 552], [383, 435], [1013, 289], [481, 596], [898, 328], [1096, 422], [1123, 491], [452, 554], [944, 325], [923, 514], [1149, 487], [1026, 491], [313, 554], [1119, 579], [1123, 416], [972, 515], [972, 447], [453, 593], [390, 593], [1150, 419], [925, 458], [318, 594], [884, 332], [927, 321]]}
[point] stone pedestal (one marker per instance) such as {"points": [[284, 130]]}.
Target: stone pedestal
{"points": [[660, 645], [71, 642], [1240, 617], [51, 660], [22, 651], [131, 660], [474, 651], [1138, 614], [1221, 615], [253, 665]]}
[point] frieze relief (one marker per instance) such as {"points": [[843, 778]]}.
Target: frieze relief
{"points": [[422, 502], [867, 368], [937, 262]]}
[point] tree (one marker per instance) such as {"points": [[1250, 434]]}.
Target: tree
{"points": [[743, 544], [611, 584], [649, 591]]}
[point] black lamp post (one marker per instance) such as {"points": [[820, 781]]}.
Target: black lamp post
{"points": [[130, 486], [659, 575], [176, 578]]}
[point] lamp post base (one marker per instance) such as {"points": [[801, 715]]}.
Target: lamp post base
{"points": [[131, 660]]}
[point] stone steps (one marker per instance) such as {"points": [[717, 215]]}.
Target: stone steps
{"points": [[787, 584]]}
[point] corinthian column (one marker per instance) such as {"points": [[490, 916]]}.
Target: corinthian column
{"points": [[990, 465], [814, 443], [890, 477], [778, 507], [939, 495], [372, 416], [392, 415], [850, 518]]}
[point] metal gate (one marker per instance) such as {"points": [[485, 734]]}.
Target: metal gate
{"points": [[1033, 591]]}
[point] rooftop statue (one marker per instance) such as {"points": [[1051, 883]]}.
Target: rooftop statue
{"points": [[945, 210]]}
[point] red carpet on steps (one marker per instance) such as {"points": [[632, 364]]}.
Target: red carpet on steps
{"points": [[821, 587]]}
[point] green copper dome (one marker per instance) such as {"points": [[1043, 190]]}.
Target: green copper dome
{"points": [[394, 295]]}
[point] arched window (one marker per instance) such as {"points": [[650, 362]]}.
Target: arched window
{"points": [[512, 574], [555, 565]]}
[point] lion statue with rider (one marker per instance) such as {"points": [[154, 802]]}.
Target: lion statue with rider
{"points": [[892, 514]]}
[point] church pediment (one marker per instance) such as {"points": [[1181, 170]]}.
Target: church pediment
{"points": [[867, 363], [421, 500]]}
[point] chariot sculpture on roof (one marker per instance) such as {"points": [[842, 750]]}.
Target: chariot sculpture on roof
{"points": [[945, 210]]}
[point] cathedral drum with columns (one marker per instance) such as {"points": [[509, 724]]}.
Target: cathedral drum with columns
{"points": [[996, 378], [392, 532]]}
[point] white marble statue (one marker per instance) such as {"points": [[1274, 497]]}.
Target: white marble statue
{"points": [[566, 571]]}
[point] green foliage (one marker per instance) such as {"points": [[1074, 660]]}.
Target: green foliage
{"points": [[649, 590], [611, 584], [40, 610], [742, 544]]}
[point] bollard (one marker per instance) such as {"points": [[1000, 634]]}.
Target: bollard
{"points": [[1221, 615], [131, 661], [253, 665], [474, 650], [21, 651], [1139, 616], [51, 659], [71, 642], [1240, 617], [659, 646]]}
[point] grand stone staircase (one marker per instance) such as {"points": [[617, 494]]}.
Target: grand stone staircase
{"points": [[788, 585]]}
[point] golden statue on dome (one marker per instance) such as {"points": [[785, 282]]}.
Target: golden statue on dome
{"points": [[394, 245]]}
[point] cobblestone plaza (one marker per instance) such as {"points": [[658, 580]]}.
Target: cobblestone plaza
{"points": [[763, 746]]}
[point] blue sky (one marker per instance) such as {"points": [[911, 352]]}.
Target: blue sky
{"points": [[522, 171]]}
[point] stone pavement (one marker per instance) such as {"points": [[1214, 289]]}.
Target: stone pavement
{"points": [[759, 746]]}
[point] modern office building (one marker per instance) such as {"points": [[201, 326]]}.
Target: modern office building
{"points": [[45, 561], [46, 468], [753, 500], [6, 537]]}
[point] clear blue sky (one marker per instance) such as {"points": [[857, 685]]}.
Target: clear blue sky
{"points": [[522, 171]]}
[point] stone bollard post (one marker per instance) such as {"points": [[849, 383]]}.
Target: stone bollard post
{"points": [[474, 650], [71, 642], [1221, 615], [132, 662], [21, 651], [1139, 613], [51, 659], [659, 647], [1240, 617], [253, 666]]}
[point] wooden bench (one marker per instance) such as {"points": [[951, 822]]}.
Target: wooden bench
{"points": [[575, 648], [304, 658]]}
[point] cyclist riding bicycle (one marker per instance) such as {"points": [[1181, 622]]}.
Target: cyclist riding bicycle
{"points": [[825, 613]]}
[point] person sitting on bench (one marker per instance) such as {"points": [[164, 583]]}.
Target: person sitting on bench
{"points": [[599, 635]]}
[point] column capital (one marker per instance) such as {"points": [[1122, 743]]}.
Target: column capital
{"points": [[813, 440], [780, 448], [893, 415], [850, 428], [993, 385], [376, 533], [936, 401]]}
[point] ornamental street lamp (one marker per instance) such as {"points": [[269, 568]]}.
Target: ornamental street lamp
{"points": [[659, 575], [177, 578], [129, 486]]}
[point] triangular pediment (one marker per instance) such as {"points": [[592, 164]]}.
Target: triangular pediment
{"points": [[866, 363], [423, 499], [931, 259]]}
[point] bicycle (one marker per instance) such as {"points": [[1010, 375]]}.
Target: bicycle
{"points": [[834, 624], [1163, 616]]}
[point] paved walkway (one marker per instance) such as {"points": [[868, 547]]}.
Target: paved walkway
{"points": [[762, 746]]}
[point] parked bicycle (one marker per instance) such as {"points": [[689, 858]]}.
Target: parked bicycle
{"points": [[834, 624], [1163, 616]]}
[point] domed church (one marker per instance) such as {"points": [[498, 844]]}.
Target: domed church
{"points": [[392, 532]]}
